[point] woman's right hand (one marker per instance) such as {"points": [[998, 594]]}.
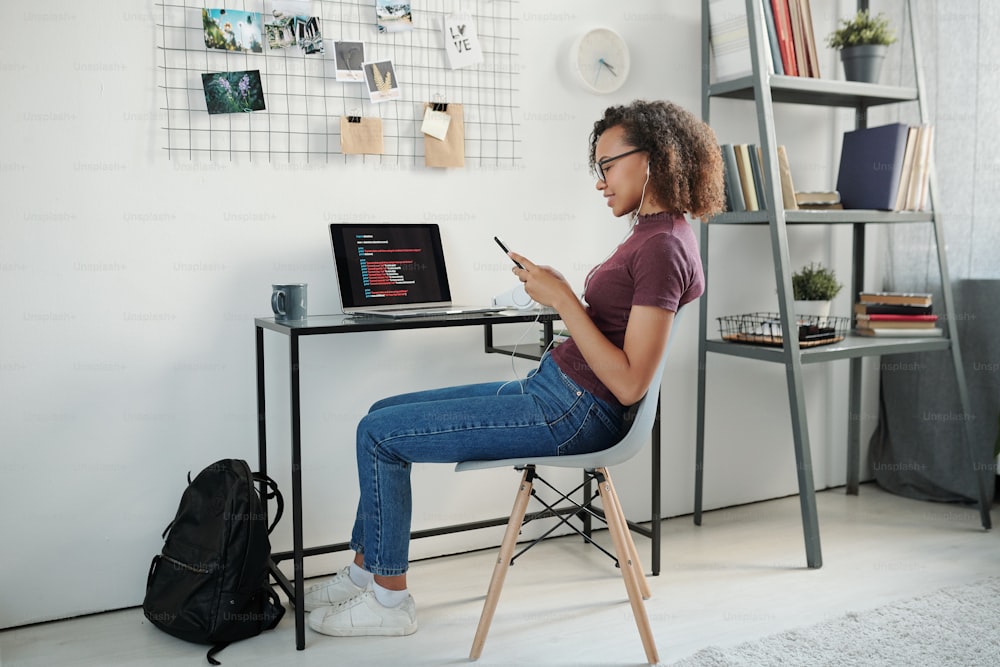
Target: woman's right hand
{"points": [[543, 283]]}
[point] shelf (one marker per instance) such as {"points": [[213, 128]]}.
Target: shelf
{"points": [[850, 348], [532, 352], [818, 92], [837, 217]]}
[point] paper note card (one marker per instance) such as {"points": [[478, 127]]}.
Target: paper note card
{"points": [[461, 42], [435, 123]]}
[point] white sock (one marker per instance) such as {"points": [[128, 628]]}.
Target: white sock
{"points": [[359, 576], [388, 598]]}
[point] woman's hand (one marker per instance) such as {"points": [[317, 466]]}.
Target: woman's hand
{"points": [[543, 283]]}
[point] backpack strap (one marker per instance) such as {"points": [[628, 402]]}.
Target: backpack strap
{"points": [[210, 656], [152, 569], [272, 492], [276, 602]]}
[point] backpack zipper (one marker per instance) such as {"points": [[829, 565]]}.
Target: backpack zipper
{"points": [[185, 566]]}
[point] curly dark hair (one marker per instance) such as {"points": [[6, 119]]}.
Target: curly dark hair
{"points": [[685, 160]]}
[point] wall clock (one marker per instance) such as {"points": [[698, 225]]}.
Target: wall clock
{"points": [[601, 60]]}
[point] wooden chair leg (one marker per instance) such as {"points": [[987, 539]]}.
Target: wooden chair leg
{"points": [[503, 562], [643, 584], [618, 530]]}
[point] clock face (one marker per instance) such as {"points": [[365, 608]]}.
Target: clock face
{"points": [[601, 59]]}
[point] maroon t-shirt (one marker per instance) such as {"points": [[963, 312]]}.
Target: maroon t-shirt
{"points": [[657, 265]]}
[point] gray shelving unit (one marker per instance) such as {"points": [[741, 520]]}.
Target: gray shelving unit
{"points": [[765, 90]]}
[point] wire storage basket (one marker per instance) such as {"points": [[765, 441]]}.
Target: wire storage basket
{"points": [[765, 329]]}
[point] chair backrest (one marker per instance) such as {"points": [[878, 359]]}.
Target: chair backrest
{"points": [[626, 448]]}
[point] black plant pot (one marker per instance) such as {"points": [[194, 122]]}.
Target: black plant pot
{"points": [[863, 62]]}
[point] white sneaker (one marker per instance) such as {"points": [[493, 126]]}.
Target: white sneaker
{"points": [[332, 591], [363, 616]]}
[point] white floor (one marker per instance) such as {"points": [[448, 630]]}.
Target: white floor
{"points": [[739, 576]]}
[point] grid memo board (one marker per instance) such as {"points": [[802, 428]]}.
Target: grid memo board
{"points": [[304, 101]]}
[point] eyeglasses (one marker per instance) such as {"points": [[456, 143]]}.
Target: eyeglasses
{"points": [[601, 164]]}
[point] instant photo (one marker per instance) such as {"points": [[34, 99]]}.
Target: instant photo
{"points": [[381, 79], [350, 58]]}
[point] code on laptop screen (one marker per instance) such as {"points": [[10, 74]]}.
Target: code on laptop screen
{"points": [[389, 264]]}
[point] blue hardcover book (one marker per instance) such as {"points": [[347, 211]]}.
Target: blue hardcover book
{"points": [[735, 190], [871, 161], [772, 37]]}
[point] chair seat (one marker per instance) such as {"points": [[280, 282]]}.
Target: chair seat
{"points": [[613, 455]]}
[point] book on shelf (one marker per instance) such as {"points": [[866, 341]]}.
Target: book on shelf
{"points": [[822, 207], [730, 38], [783, 28], [809, 37], [798, 39], [919, 176], [896, 321], [907, 168], [746, 176], [895, 298], [732, 175], [785, 174], [900, 333], [871, 161], [819, 198], [777, 67], [819, 201], [757, 173], [891, 309]]}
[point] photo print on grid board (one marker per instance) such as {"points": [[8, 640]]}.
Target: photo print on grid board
{"points": [[232, 30], [233, 92], [382, 83]]}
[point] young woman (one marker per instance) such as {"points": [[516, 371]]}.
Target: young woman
{"points": [[653, 161]]}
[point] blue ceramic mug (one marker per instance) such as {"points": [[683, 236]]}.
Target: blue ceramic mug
{"points": [[289, 302]]}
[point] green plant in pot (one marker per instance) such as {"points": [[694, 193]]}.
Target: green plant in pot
{"points": [[813, 288], [863, 41]]}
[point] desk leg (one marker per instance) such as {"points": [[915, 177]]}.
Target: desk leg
{"points": [[297, 575], [261, 414]]}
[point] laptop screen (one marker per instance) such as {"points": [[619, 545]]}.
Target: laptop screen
{"points": [[389, 265]]}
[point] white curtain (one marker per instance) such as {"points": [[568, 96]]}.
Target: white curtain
{"points": [[915, 450], [960, 58]]}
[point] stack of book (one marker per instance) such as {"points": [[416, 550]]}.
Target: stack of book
{"points": [[818, 201], [895, 314], [791, 42], [745, 182], [886, 167]]}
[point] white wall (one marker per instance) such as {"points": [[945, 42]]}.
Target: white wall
{"points": [[130, 283]]}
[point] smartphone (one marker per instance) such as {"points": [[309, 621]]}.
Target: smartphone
{"points": [[505, 251]]}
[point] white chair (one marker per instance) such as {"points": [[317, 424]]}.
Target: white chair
{"points": [[595, 466]]}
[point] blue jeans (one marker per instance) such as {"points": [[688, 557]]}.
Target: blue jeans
{"points": [[545, 415]]}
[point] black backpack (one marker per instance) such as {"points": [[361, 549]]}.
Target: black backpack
{"points": [[210, 583]]}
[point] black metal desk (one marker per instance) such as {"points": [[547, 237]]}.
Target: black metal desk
{"points": [[339, 324]]}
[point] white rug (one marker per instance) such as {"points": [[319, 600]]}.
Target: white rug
{"points": [[954, 626]]}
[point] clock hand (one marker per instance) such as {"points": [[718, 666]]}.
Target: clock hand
{"points": [[608, 65]]}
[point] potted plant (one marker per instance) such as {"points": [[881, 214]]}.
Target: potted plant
{"points": [[813, 287], [863, 41]]}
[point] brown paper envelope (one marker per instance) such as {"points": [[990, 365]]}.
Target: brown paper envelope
{"points": [[451, 151], [363, 137]]}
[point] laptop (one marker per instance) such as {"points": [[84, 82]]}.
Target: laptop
{"points": [[394, 270]]}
